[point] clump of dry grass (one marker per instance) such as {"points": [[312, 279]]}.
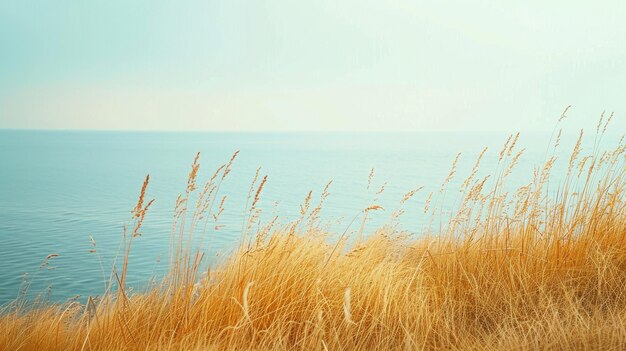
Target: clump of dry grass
{"points": [[522, 269]]}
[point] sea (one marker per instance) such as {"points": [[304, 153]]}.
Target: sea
{"points": [[59, 188]]}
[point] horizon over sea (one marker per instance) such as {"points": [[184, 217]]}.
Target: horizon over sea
{"points": [[59, 187]]}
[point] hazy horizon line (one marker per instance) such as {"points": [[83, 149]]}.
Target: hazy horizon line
{"points": [[272, 131]]}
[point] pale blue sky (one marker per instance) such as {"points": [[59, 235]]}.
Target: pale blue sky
{"points": [[391, 65]]}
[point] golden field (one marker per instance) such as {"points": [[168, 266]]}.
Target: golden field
{"points": [[508, 269]]}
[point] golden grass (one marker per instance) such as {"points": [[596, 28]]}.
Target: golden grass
{"points": [[523, 269]]}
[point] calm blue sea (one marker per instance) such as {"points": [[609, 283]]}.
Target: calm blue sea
{"points": [[57, 188]]}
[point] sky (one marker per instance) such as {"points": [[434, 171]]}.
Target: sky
{"points": [[284, 65]]}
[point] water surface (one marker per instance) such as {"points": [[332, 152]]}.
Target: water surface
{"points": [[57, 188]]}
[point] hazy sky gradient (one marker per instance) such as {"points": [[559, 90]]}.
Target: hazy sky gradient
{"points": [[310, 65]]}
